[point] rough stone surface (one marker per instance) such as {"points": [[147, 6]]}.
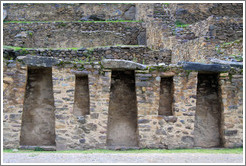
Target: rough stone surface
{"points": [[205, 67], [122, 64], [193, 12], [68, 11], [71, 34], [167, 43], [32, 60], [141, 54], [4, 14]]}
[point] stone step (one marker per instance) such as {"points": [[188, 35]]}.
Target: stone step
{"points": [[69, 11], [72, 34]]}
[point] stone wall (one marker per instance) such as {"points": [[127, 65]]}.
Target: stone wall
{"points": [[72, 34], [155, 131], [102, 67], [140, 54], [207, 39], [192, 12], [14, 85], [68, 11], [232, 109]]}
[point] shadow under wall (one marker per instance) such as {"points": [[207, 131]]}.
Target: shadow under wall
{"points": [[38, 118], [122, 118], [208, 112]]}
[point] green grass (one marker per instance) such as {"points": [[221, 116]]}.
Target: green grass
{"points": [[107, 21], [181, 24], [211, 151], [73, 48]]}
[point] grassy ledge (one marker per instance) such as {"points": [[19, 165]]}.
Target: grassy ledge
{"points": [[211, 151], [74, 48], [107, 21]]}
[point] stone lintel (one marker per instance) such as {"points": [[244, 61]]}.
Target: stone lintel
{"points": [[205, 67], [233, 64], [80, 73], [122, 64], [39, 61]]}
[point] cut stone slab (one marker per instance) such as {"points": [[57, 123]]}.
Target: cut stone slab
{"points": [[204, 67], [122, 64], [39, 61], [80, 73], [233, 64], [4, 14]]}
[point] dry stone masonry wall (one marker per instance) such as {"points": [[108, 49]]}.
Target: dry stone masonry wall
{"points": [[72, 34], [69, 11], [152, 82]]}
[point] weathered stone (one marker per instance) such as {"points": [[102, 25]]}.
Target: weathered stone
{"points": [[204, 67], [81, 119], [4, 14], [82, 140], [230, 132], [32, 60], [80, 73], [122, 64], [233, 64], [143, 121], [188, 139], [172, 119]]}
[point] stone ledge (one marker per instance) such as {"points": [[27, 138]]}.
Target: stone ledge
{"points": [[122, 64], [39, 61], [233, 64], [204, 67]]}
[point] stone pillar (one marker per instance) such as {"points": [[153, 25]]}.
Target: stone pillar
{"points": [[63, 87], [147, 90], [14, 84], [184, 106], [232, 109]]}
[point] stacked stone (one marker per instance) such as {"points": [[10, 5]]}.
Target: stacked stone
{"points": [[89, 131]]}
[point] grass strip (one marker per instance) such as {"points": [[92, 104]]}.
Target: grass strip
{"points": [[210, 151]]}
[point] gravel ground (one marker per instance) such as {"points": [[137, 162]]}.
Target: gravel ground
{"points": [[121, 158]]}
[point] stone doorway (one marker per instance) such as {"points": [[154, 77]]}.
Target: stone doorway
{"points": [[122, 118], [208, 112], [38, 118]]}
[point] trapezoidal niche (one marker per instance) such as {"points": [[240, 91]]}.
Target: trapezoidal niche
{"points": [[122, 118], [38, 118]]}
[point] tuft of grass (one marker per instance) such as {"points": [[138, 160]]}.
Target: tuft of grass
{"points": [[211, 151], [181, 24]]}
